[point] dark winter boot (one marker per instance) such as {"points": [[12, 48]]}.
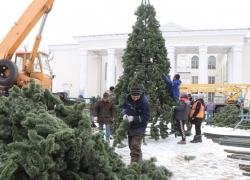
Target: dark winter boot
{"points": [[195, 140], [199, 138]]}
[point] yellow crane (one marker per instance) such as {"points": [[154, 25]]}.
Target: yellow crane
{"points": [[27, 65], [231, 91]]}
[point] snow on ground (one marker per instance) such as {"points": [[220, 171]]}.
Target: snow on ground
{"points": [[211, 162]]}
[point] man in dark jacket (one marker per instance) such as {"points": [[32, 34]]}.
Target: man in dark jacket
{"points": [[181, 112], [104, 113], [191, 100], [136, 109], [174, 88]]}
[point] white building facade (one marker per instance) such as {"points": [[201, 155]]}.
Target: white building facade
{"points": [[94, 63]]}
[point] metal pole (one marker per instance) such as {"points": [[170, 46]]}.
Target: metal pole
{"points": [[145, 2], [43, 23]]}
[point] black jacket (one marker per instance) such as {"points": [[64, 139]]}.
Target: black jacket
{"points": [[182, 109]]}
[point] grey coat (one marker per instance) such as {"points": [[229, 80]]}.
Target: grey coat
{"points": [[182, 109]]}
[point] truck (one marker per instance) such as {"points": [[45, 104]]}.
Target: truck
{"points": [[26, 65], [231, 92]]}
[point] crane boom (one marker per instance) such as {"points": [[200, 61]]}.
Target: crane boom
{"points": [[23, 27]]}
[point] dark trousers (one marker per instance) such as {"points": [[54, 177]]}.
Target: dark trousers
{"points": [[180, 126], [197, 130], [134, 143], [197, 122]]}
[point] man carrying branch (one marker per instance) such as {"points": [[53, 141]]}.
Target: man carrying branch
{"points": [[136, 109]]}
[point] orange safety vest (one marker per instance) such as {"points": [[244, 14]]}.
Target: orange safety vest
{"points": [[201, 112]]}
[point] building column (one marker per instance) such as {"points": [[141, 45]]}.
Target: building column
{"points": [[237, 64], [84, 73], [119, 68], [203, 65], [111, 69], [230, 67], [175, 62], [171, 56]]}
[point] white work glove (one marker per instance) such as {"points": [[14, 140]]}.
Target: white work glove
{"points": [[125, 117], [95, 118], [173, 107], [130, 118]]}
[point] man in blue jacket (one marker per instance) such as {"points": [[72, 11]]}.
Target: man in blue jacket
{"points": [[136, 109], [174, 88]]}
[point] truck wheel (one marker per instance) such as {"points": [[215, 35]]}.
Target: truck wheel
{"points": [[8, 72]]}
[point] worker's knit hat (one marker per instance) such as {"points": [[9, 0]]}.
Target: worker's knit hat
{"points": [[201, 96], [135, 91], [105, 96]]}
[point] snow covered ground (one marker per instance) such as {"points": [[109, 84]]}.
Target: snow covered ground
{"points": [[211, 162]]}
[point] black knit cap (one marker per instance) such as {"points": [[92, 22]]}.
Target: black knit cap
{"points": [[111, 88], [135, 91], [105, 96]]}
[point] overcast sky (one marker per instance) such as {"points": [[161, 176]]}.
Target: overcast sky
{"points": [[70, 18]]}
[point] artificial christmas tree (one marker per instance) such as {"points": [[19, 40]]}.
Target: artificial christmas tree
{"points": [[144, 62]]}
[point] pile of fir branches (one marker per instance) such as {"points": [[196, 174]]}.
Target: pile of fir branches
{"points": [[41, 139], [229, 116]]}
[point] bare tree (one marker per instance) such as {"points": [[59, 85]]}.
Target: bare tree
{"points": [[50, 57]]}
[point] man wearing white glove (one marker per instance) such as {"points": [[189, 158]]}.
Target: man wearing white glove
{"points": [[137, 111], [104, 113]]}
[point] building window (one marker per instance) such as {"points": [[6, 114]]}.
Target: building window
{"points": [[211, 62], [195, 62], [194, 79], [211, 79], [106, 69], [210, 97]]}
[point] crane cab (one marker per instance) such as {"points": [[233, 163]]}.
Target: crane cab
{"points": [[41, 71]]}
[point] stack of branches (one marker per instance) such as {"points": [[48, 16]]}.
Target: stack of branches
{"points": [[41, 139], [229, 117]]}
